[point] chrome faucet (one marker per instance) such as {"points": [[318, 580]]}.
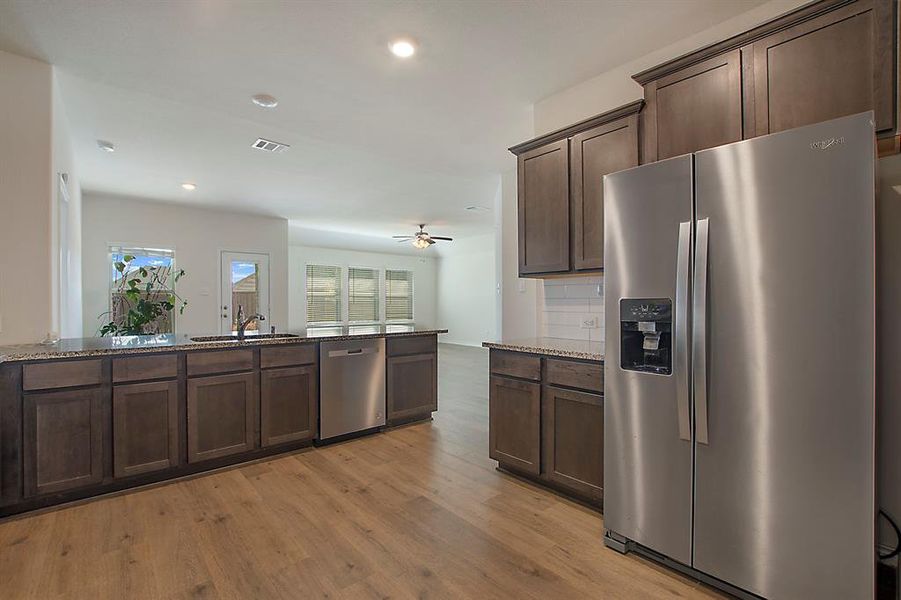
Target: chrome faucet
{"points": [[243, 323]]}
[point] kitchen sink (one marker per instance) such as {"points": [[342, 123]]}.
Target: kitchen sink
{"points": [[248, 338]]}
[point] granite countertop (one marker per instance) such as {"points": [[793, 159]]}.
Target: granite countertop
{"points": [[552, 347], [140, 344]]}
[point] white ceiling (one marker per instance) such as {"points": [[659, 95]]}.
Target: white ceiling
{"points": [[377, 144]]}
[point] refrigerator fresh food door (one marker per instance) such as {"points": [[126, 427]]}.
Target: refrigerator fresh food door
{"points": [[647, 447], [784, 466]]}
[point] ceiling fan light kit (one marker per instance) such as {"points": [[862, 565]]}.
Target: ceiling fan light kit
{"points": [[421, 239]]}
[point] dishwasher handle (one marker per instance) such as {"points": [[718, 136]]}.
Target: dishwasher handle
{"points": [[354, 352]]}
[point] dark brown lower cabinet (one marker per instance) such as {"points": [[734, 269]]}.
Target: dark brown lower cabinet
{"points": [[221, 413], [573, 440], [63, 440], [412, 386], [145, 427], [514, 424], [288, 407]]}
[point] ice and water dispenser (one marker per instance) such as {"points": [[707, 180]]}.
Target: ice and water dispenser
{"points": [[646, 335]]}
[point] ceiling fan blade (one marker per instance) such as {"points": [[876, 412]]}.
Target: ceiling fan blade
{"points": [[438, 237], [430, 241], [406, 237], [403, 240]]}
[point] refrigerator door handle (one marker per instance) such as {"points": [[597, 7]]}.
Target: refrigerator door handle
{"points": [[681, 332], [699, 339]]}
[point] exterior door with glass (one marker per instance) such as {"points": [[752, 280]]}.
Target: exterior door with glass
{"points": [[245, 282]]}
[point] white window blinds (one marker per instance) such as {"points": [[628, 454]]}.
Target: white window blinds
{"points": [[323, 294], [362, 295], [398, 295]]}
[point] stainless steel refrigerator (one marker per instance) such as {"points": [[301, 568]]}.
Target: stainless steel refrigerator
{"points": [[739, 415]]}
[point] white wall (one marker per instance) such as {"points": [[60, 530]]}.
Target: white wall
{"points": [[424, 278], [25, 197], [467, 290], [67, 318], [197, 236], [519, 314]]}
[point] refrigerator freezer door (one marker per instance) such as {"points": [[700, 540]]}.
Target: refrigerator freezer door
{"points": [[647, 465], [784, 489]]}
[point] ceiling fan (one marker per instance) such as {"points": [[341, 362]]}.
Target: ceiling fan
{"points": [[421, 239]]}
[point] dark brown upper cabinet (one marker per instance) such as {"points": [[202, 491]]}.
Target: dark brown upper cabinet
{"points": [[824, 60], [595, 153], [560, 189], [839, 63], [694, 108], [543, 205]]}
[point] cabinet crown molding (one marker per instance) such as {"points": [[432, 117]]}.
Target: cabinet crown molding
{"points": [[570, 130], [789, 19]]}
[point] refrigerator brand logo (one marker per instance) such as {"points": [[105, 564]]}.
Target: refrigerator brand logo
{"points": [[826, 144]]}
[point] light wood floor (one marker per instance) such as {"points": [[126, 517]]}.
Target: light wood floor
{"points": [[417, 512]]}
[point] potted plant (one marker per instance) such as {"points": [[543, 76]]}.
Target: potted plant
{"points": [[143, 298]]}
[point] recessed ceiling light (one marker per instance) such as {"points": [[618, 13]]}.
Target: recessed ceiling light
{"points": [[189, 186], [264, 101], [106, 146], [403, 48]]}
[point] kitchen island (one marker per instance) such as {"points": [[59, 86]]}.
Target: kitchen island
{"points": [[84, 417], [546, 413]]}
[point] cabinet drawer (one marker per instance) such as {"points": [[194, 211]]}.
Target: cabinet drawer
{"points": [[422, 344], [582, 375], [286, 356], [70, 373], [515, 365], [137, 368], [226, 361]]}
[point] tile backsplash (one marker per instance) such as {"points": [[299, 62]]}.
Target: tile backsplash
{"points": [[572, 308]]}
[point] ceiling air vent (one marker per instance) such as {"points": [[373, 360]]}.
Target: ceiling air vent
{"points": [[269, 145]]}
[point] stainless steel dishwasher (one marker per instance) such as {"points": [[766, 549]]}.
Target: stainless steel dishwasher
{"points": [[352, 386]]}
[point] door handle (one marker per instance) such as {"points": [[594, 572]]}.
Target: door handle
{"points": [[354, 352], [699, 340], [681, 333]]}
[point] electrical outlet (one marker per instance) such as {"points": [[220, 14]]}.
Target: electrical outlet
{"points": [[589, 323]]}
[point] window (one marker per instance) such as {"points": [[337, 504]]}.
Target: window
{"points": [[398, 295], [362, 295], [162, 285], [324, 294], [368, 302]]}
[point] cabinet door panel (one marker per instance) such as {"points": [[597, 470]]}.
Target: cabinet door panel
{"points": [[288, 405], [412, 386], [595, 153], [544, 209], [514, 424], [574, 440], [695, 108], [145, 427], [835, 65], [63, 440], [220, 415]]}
